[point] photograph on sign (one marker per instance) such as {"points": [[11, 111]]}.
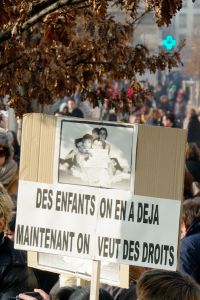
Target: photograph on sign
{"points": [[94, 154]]}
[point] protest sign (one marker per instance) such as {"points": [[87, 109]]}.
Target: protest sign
{"points": [[92, 207], [101, 225]]}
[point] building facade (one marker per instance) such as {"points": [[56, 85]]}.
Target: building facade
{"points": [[187, 21]]}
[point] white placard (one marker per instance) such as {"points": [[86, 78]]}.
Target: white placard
{"points": [[110, 272], [101, 224]]}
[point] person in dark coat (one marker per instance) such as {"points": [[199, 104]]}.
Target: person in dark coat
{"points": [[73, 110], [70, 293], [169, 120], [190, 243], [15, 276], [194, 130], [121, 293], [126, 293], [165, 104], [193, 160]]}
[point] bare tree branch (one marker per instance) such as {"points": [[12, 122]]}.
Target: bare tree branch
{"points": [[4, 36], [44, 12], [138, 20], [40, 6]]}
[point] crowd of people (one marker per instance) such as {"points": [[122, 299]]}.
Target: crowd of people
{"points": [[169, 108]]}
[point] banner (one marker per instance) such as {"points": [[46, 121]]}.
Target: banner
{"points": [[96, 223]]}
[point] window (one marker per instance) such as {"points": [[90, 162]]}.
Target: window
{"points": [[184, 3], [196, 24], [197, 4], [182, 37], [183, 21]]}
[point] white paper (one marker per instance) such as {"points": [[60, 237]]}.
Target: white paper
{"points": [[93, 223], [110, 272]]}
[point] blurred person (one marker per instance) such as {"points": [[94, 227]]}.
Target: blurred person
{"points": [[77, 95], [112, 116], [165, 104], [166, 285], [45, 279], [158, 92], [15, 276], [190, 243], [194, 129], [193, 160], [64, 293], [169, 120], [172, 92], [108, 114], [189, 191], [8, 167], [181, 93], [154, 117], [70, 293], [84, 294], [190, 112], [135, 119], [16, 146], [104, 104], [144, 113], [180, 108], [10, 230], [187, 93], [126, 293], [42, 293], [162, 113], [73, 110], [4, 119]]}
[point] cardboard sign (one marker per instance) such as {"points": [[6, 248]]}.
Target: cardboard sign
{"points": [[107, 201]]}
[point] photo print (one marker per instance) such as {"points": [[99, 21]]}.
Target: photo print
{"points": [[95, 154]]}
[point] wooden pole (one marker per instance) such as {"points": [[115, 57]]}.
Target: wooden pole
{"points": [[95, 280]]}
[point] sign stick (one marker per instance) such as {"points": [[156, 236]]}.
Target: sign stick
{"points": [[95, 280]]}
